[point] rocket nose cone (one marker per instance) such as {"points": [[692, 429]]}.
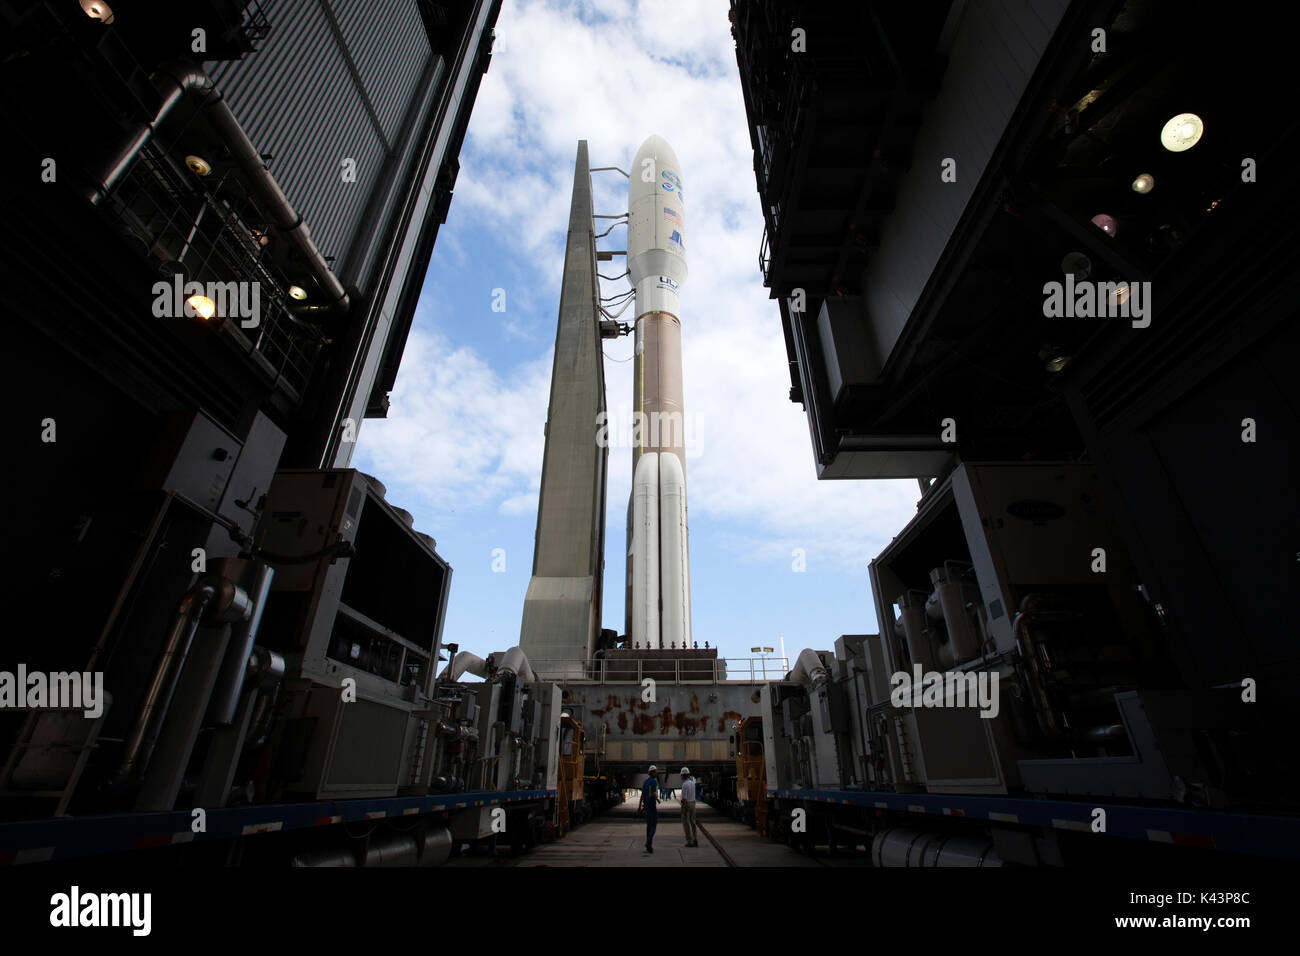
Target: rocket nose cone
{"points": [[657, 148], [656, 228]]}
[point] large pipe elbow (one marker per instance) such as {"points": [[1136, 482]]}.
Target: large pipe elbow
{"points": [[465, 662], [515, 661], [808, 669], [171, 81]]}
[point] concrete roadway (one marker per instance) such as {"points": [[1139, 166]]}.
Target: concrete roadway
{"points": [[617, 838]]}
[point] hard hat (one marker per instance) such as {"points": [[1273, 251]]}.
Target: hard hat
{"points": [[653, 768], [685, 771]]}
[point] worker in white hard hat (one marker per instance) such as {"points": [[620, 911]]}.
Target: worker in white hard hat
{"points": [[650, 804], [688, 807]]}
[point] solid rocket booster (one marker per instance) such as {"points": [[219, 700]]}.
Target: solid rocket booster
{"points": [[658, 552]]}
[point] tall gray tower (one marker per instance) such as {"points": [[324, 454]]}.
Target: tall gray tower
{"points": [[562, 609]]}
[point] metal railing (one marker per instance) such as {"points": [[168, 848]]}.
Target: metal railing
{"points": [[255, 26], [678, 670], [204, 233]]}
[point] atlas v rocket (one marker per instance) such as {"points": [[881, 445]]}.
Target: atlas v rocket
{"points": [[658, 564], [561, 626]]}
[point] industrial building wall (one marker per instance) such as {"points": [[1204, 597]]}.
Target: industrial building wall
{"points": [[1210, 501], [995, 51], [332, 81], [393, 307]]}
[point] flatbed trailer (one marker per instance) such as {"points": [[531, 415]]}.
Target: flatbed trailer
{"points": [[67, 838], [1255, 835]]}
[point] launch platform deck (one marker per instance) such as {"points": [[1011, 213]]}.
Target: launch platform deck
{"points": [[617, 838]]}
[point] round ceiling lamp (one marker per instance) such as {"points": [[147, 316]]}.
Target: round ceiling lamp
{"points": [[98, 10], [1107, 224], [1077, 265], [1182, 132], [202, 305]]}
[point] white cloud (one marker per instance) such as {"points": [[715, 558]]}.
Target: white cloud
{"points": [[460, 435], [462, 428]]}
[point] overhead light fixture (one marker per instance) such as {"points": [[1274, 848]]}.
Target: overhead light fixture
{"points": [[1120, 295], [98, 10], [259, 236], [1144, 183], [1053, 357], [1107, 224], [198, 165], [202, 305], [1077, 265], [170, 269], [1182, 132], [297, 292]]}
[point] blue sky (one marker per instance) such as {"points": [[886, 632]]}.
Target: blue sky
{"points": [[462, 446]]}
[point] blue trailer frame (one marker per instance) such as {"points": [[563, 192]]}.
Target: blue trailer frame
{"points": [[64, 838], [1253, 834]]}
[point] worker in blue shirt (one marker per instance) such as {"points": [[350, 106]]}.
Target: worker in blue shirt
{"points": [[650, 804]]}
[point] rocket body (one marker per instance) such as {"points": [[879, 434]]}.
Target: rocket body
{"points": [[658, 552]]}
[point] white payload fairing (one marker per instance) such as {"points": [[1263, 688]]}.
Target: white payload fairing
{"points": [[658, 552]]}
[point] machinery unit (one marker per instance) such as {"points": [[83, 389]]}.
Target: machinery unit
{"points": [[805, 725], [357, 614], [502, 733], [365, 595], [1019, 659], [1012, 582]]}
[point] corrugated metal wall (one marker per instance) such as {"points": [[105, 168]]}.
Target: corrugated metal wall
{"points": [[299, 101]]}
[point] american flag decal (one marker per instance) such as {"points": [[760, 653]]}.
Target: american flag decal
{"points": [[673, 216]]}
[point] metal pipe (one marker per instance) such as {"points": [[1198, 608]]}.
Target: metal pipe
{"points": [[391, 849], [267, 666], [263, 711], [255, 578], [514, 661], [265, 670], [457, 731], [897, 846], [1030, 610], [808, 669], [189, 239], [1033, 677], [334, 856], [174, 80], [465, 662], [911, 617], [144, 735], [1106, 732], [435, 845], [950, 591]]}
